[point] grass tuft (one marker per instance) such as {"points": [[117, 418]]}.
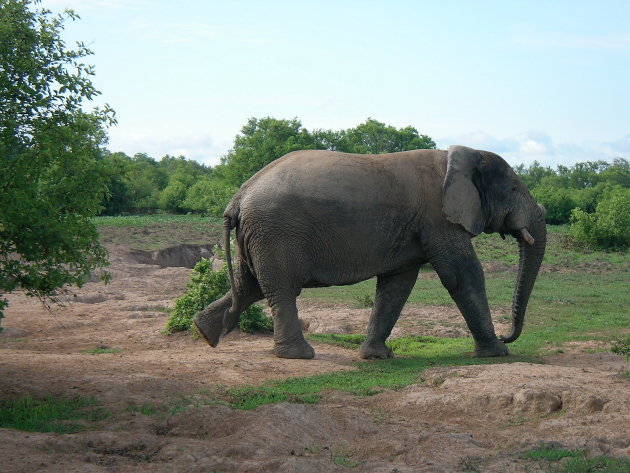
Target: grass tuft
{"points": [[577, 462], [61, 415]]}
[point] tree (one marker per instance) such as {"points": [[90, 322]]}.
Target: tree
{"points": [[373, 137], [209, 196], [52, 177], [260, 142]]}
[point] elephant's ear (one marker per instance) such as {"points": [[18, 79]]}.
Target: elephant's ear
{"points": [[461, 203]]}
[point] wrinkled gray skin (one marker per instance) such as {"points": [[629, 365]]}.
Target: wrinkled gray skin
{"points": [[320, 218]]}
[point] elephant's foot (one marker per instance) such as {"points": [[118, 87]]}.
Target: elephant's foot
{"points": [[369, 351], [209, 328], [494, 348], [296, 350]]}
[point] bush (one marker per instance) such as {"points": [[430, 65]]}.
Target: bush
{"points": [[209, 197], [207, 286], [557, 201], [608, 227], [622, 347]]}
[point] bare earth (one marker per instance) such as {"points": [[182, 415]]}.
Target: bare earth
{"points": [[474, 418]]}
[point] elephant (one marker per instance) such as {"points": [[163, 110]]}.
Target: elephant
{"points": [[317, 218]]}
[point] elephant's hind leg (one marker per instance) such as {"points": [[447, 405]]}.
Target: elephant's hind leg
{"points": [[289, 341], [217, 319], [392, 292]]}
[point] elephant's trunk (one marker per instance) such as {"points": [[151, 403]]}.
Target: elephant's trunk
{"points": [[531, 256]]}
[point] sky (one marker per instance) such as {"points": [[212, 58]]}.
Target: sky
{"points": [[530, 80]]}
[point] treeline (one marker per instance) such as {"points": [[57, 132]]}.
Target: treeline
{"points": [[581, 186], [140, 184], [594, 195]]}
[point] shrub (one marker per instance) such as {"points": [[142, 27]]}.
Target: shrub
{"points": [[209, 197], [207, 286], [558, 202], [622, 347], [608, 227]]}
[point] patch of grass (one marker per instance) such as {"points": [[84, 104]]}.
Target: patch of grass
{"points": [[50, 414], [342, 458], [152, 232], [558, 252], [577, 462], [247, 398], [364, 301], [414, 355], [597, 464], [340, 340], [142, 221], [144, 409], [550, 453], [563, 307], [101, 350]]}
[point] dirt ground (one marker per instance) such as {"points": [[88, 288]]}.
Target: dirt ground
{"points": [[473, 418]]}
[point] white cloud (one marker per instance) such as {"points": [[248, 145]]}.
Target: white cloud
{"points": [[200, 147], [536, 145]]}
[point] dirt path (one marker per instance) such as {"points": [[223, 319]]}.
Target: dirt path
{"points": [[475, 418]]}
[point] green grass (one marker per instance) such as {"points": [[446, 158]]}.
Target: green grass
{"points": [[152, 232], [342, 458], [577, 462], [51, 414], [550, 454], [142, 221], [144, 409], [413, 356], [559, 251], [345, 341], [564, 307]]}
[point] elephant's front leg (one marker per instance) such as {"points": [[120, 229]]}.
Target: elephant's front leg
{"points": [[462, 275], [392, 292]]}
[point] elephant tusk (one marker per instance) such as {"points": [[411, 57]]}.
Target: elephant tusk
{"points": [[526, 236]]}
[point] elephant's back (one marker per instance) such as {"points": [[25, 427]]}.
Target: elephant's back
{"points": [[339, 175]]}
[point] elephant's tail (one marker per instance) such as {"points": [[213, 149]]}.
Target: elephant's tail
{"points": [[227, 227]]}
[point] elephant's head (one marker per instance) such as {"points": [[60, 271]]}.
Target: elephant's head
{"points": [[483, 194]]}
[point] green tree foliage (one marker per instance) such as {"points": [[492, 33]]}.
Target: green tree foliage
{"points": [[609, 226], [581, 186], [558, 201], [374, 137], [143, 185], [183, 175], [52, 177], [209, 196], [260, 142], [205, 287]]}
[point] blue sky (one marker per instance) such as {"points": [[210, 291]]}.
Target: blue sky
{"points": [[544, 80]]}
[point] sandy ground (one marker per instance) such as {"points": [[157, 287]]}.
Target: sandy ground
{"points": [[474, 418]]}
